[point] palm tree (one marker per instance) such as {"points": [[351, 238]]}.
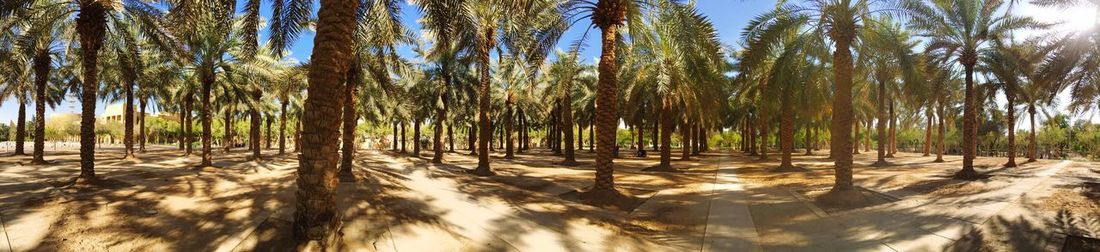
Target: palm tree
{"points": [[14, 75], [315, 217], [839, 22], [776, 49], [959, 30], [887, 49], [1010, 65], [608, 16]]}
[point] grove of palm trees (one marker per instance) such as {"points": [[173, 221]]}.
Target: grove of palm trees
{"points": [[549, 125]]}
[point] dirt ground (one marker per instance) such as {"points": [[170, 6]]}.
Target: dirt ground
{"points": [[1066, 203], [159, 202]]}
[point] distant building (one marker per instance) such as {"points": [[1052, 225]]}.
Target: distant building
{"points": [[113, 112]]}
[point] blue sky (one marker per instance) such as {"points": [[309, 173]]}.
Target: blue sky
{"points": [[728, 16]]}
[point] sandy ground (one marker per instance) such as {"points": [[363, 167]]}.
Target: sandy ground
{"points": [[161, 203], [1026, 208], [403, 203]]}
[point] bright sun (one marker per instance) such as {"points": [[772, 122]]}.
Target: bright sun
{"points": [[1072, 19]]}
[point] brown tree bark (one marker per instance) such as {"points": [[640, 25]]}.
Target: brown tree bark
{"points": [[786, 132], [666, 135], [316, 217], [282, 127], [892, 144], [763, 124], [21, 127], [91, 26], [843, 191], [970, 108], [256, 124], [608, 15], [941, 131], [485, 44], [141, 124], [509, 148], [1010, 95], [855, 134], [567, 129], [416, 137], [350, 119], [880, 126], [1031, 146], [928, 132], [207, 78], [41, 77]]}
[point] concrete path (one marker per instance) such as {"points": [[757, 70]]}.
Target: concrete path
{"points": [[729, 223]]}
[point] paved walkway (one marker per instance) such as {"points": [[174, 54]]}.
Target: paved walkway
{"points": [[729, 223]]}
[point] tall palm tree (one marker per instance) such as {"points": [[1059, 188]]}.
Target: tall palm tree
{"points": [[959, 30], [608, 16], [14, 74], [91, 21], [678, 58], [838, 21], [316, 216]]}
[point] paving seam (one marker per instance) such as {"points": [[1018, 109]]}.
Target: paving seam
{"points": [[4, 229], [706, 221]]}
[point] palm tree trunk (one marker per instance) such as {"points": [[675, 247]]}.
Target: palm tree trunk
{"points": [[567, 128], [254, 130], [128, 117], [267, 134], [1032, 151], [141, 124], [591, 136], [608, 15], [450, 137], [1010, 95], [808, 142], [437, 141], [763, 124], [350, 118], [471, 136], [204, 115], [751, 137], [404, 142], [485, 45], [880, 126], [969, 123], [41, 78], [786, 132], [298, 135], [282, 127], [183, 120], [928, 132], [190, 104], [855, 134], [416, 138], [91, 25], [841, 139], [509, 148], [316, 217], [685, 140], [695, 137], [867, 136], [666, 135], [21, 127], [893, 132], [941, 131]]}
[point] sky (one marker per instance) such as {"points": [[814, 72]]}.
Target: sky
{"points": [[728, 17]]}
